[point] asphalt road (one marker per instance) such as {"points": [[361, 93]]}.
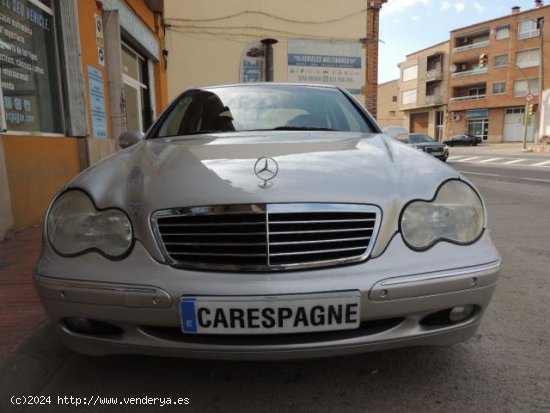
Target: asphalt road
{"points": [[505, 367]]}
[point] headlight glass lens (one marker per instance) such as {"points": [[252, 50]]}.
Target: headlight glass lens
{"points": [[74, 225], [455, 214]]}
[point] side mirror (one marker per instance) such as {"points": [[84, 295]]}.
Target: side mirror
{"points": [[129, 138]]}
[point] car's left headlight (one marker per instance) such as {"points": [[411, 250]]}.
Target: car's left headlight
{"points": [[455, 214], [74, 225]]}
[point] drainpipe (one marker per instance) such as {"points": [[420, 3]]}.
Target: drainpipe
{"points": [[268, 43]]}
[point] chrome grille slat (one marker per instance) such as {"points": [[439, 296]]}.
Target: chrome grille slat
{"points": [[224, 224], [214, 254], [213, 233], [321, 241], [266, 237], [216, 244], [328, 221], [315, 251], [319, 231]]}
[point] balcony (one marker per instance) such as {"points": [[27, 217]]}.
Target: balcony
{"points": [[528, 34], [434, 75], [475, 71], [467, 98], [475, 45], [434, 100]]}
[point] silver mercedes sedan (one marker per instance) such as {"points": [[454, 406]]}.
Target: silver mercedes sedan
{"points": [[265, 221]]}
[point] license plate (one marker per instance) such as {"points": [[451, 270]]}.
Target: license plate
{"points": [[274, 314]]}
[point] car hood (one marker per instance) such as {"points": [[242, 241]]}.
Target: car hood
{"points": [[218, 169]]}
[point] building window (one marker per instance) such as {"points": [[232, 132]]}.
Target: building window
{"points": [[394, 98], [29, 68], [528, 28], [410, 73], [528, 58], [136, 90], [501, 60], [521, 87], [502, 32], [499, 88], [477, 91], [409, 97], [392, 113]]}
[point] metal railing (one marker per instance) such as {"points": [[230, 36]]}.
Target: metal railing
{"points": [[434, 74], [471, 46], [476, 71], [467, 98], [434, 100], [528, 34]]}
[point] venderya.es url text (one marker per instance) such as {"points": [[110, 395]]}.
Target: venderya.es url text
{"points": [[99, 401]]}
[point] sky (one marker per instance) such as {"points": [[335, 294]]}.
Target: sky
{"points": [[410, 25]]}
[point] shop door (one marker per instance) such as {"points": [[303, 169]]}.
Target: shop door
{"points": [[514, 128], [419, 122], [478, 127]]}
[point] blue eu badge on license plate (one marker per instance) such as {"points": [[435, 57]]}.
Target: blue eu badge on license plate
{"points": [[188, 319]]}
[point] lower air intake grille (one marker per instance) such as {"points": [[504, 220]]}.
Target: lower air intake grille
{"points": [[267, 237]]}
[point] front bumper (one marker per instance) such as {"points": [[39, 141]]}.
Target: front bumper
{"points": [[141, 298]]}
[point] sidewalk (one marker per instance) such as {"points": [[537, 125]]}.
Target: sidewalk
{"points": [[20, 309], [512, 149]]}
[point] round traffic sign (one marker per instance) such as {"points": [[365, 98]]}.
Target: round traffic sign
{"points": [[529, 97]]}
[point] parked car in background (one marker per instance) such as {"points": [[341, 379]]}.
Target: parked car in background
{"points": [[265, 221], [427, 144], [465, 140]]}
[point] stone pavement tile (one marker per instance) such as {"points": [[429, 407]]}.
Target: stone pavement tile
{"points": [[20, 309]]}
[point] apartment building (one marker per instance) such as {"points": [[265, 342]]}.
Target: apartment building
{"points": [[423, 90], [496, 74], [388, 105]]}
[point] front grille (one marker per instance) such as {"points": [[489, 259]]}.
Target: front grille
{"points": [[266, 237]]}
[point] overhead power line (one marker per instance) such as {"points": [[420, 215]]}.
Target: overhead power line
{"points": [[242, 13]]}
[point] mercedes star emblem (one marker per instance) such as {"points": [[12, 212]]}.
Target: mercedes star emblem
{"points": [[266, 169]]}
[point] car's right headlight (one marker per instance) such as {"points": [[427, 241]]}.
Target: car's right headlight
{"points": [[455, 214], [74, 225]]}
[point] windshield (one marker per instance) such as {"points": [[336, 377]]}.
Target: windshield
{"points": [[260, 108], [420, 138]]}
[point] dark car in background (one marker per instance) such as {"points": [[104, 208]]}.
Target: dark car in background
{"points": [[427, 144], [466, 140]]}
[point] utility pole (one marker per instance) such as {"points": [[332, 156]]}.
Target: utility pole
{"points": [[371, 46], [540, 24]]}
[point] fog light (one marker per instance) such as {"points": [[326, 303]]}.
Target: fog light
{"points": [[461, 313], [79, 325]]}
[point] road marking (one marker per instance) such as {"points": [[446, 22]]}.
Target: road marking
{"points": [[489, 160], [541, 163], [479, 173], [451, 158], [504, 177], [536, 179], [513, 161], [469, 159]]}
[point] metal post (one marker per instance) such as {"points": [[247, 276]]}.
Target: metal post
{"points": [[526, 121], [268, 43], [541, 77]]}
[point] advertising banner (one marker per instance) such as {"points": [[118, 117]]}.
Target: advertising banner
{"points": [[326, 62], [252, 63]]}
